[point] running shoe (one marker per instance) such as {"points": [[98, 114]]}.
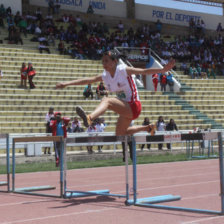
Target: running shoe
{"points": [[86, 119]]}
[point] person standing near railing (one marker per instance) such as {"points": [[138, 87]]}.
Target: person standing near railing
{"points": [[171, 126], [161, 126], [59, 128]]}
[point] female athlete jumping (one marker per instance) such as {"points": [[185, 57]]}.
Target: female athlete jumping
{"points": [[118, 78]]}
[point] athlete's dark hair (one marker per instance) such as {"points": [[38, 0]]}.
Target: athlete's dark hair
{"points": [[114, 55]]}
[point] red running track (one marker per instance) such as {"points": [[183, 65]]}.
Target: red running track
{"points": [[196, 181]]}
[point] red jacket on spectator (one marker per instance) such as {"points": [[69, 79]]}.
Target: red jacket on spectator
{"points": [[53, 125]]}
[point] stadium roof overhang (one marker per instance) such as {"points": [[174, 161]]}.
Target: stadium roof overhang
{"points": [[216, 3]]}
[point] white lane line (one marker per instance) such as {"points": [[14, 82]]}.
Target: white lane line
{"points": [[203, 220], [26, 202], [59, 216]]}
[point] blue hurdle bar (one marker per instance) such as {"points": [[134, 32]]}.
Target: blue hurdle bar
{"points": [[37, 188], [155, 199], [149, 202], [77, 194], [95, 139], [30, 190], [6, 183]]}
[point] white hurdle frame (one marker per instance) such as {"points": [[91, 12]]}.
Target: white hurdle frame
{"points": [[151, 202], [95, 139], [6, 183], [31, 190]]}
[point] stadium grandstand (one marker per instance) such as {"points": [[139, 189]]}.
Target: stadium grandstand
{"points": [[65, 40]]}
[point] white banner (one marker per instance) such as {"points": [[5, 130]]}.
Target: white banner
{"points": [[101, 7], [16, 5], [172, 138], [142, 12]]}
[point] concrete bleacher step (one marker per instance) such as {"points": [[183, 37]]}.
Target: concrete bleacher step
{"points": [[30, 106]]}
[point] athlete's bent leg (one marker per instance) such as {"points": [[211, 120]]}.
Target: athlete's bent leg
{"points": [[118, 106]]}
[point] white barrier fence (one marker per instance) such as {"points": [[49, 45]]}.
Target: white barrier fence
{"points": [[35, 149]]}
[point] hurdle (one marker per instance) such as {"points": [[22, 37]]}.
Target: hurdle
{"points": [[202, 144], [6, 183], [31, 190], [151, 202], [95, 139]]}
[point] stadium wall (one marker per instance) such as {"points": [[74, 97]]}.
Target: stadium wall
{"points": [[176, 17], [101, 7], [143, 12], [16, 5]]}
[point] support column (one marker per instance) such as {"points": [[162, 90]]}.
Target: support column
{"points": [[130, 4]]}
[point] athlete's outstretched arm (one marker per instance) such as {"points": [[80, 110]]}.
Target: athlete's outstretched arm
{"points": [[84, 81], [148, 71]]}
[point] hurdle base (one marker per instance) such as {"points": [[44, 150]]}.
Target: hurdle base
{"points": [[77, 194], [3, 183], [166, 207], [36, 188], [152, 200]]}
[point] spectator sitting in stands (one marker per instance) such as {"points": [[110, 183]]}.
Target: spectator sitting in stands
{"points": [[2, 11], [43, 39], [37, 31], [90, 9], [69, 128], [101, 91], [193, 71], [23, 26], [88, 91], [120, 27], [51, 39], [17, 37], [49, 17], [158, 26], [8, 11], [78, 20], [211, 71], [76, 125], [51, 6], [17, 18], [10, 22], [183, 67], [219, 28], [43, 47], [65, 18], [38, 14], [61, 47], [57, 7]]}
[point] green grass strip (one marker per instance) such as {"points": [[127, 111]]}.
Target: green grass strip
{"points": [[141, 159]]}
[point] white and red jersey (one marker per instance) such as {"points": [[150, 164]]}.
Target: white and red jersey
{"points": [[122, 83]]}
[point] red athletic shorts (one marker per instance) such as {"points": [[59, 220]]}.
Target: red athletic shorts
{"points": [[23, 77], [136, 108]]}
